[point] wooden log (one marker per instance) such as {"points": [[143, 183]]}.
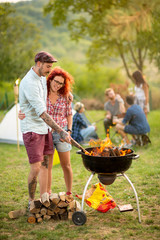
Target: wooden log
{"points": [[77, 206], [116, 150], [55, 217], [56, 210], [62, 204], [33, 209], [69, 198], [52, 206], [70, 215], [31, 218], [63, 216], [72, 206], [17, 213], [50, 213], [38, 215], [46, 217], [112, 153], [43, 211], [38, 203], [54, 198], [62, 196], [62, 210], [39, 220], [45, 199]]}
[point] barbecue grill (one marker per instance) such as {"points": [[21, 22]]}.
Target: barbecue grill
{"points": [[108, 169]]}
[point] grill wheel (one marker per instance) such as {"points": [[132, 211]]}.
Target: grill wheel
{"points": [[79, 218]]}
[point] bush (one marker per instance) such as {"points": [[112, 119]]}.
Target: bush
{"points": [[6, 95]]}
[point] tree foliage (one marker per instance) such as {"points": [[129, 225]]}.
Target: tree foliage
{"points": [[18, 43], [123, 28]]}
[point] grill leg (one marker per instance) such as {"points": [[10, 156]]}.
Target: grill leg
{"points": [[135, 193], [85, 189]]}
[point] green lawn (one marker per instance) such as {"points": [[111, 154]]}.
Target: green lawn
{"points": [[144, 173]]}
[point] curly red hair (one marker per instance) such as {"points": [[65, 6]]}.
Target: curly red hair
{"points": [[68, 80]]}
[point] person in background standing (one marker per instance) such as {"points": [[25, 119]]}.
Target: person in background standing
{"points": [[141, 91]]}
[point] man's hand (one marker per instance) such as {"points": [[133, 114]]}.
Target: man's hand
{"points": [[108, 115], [65, 136]]}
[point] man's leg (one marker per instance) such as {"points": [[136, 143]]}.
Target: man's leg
{"points": [[107, 123], [120, 129], [43, 175], [32, 179]]}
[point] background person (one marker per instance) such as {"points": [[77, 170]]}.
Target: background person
{"points": [[136, 119], [113, 107], [80, 129], [141, 91], [37, 136]]}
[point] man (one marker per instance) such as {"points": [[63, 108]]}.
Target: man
{"points": [[113, 107], [37, 124], [136, 119]]}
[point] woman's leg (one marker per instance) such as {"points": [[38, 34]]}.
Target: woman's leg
{"points": [[50, 164], [67, 170]]}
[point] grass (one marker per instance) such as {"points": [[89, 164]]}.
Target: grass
{"points": [[144, 173]]}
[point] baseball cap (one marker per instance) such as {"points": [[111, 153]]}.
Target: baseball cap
{"points": [[45, 57]]}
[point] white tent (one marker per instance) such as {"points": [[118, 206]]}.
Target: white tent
{"points": [[8, 128]]}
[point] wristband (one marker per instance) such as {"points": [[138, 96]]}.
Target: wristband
{"points": [[69, 130]]}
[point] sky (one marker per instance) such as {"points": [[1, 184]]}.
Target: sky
{"points": [[13, 1]]}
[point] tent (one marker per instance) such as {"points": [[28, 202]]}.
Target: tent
{"points": [[8, 128]]}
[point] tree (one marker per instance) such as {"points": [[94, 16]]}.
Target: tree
{"points": [[120, 28], [18, 43]]}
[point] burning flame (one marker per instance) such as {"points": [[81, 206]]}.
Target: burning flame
{"points": [[101, 145]]}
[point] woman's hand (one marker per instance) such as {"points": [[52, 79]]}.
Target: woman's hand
{"points": [[70, 97], [21, 115]]}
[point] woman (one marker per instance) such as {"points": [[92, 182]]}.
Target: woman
{"points": [[59, 84], [141, 91], [80, 130]]}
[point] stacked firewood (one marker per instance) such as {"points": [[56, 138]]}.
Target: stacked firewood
{"points": [[56, 207]]}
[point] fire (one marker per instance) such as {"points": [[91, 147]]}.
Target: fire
{"points": [[106, 148], [17, 81]]}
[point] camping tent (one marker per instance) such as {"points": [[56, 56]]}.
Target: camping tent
{"points": [[8, 128]]}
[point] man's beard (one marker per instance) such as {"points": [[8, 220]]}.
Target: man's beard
{"points": [[41, 73]]}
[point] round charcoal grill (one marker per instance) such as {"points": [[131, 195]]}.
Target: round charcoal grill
{"points": [[107, 168]]}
